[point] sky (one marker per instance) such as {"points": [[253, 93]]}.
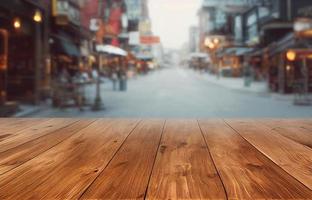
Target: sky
{"points": [[171, 20]]}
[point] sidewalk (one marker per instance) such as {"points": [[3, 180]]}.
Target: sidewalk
{"points": [[236, 84], [29, 110]]}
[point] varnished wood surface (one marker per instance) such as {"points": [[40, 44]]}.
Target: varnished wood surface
{"points": [[155, 159]]}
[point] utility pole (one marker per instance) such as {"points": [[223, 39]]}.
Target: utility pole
{"points": [[98, 105], [38, 56]]}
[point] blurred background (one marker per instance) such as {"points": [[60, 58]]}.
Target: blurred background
{"points": [[156, 58]]}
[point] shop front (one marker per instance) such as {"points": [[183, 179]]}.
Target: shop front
{"points": [[21, 25], [291, 65]]}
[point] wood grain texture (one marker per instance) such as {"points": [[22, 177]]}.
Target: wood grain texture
{"points": [[126, 177], [10, 127], [183, 167], [296, 131], [294, 158], [17, 156], [245, 172], [35, 131], [66, 170]]}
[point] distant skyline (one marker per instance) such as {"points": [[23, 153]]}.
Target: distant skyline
{"points": [[171, 20]]}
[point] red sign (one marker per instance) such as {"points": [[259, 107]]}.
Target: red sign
{"points": [[149, 39]]}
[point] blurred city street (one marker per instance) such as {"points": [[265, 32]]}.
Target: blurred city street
{"points": [[179, 92]]}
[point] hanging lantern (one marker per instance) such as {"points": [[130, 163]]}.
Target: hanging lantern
{"points": [[37, 16], [291, 55], [216, 41], [17, 23]]}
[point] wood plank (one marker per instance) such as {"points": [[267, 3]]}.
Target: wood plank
{"points": [[294, 158], [245, 172], [9, 126], [295, 131], [299, 123], [183, 167], [66, 170], [126, 177], [15, 157], [35, 131]]}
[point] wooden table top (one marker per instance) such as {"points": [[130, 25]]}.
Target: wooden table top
{"points": [[155, 159]]}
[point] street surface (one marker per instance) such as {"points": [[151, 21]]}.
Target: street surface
{"points": [[182, 93]]}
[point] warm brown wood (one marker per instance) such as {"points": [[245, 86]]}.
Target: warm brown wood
{"points": [[125, 159], [15, 157], [246, 173], [183, 167], [299, 123], [294, 158], [9, 127], [66, 170], [34, 132], [126, 177], [297, 131]]}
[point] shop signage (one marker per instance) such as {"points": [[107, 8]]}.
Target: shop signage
{"points": [[134, 38], [3, 49], [95, 24], [65, 12], [305, 11], [145, 27], [149, 40], [302, 25]]}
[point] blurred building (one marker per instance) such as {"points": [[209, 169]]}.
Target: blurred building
{"points": [[24, 50], [194, 39], [273, 28], [255, 37], [216, 31]]}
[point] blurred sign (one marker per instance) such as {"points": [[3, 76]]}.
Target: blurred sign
{"points": [[65, 12], [3, 49], [95, 24], [134, 38], [302, 24], [149, 40], [305, 11], [124, 21], [145, 27]]}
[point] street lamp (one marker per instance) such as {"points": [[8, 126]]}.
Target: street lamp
{"points": [[211, 45], [37, 16], [216, 41], [17, 23], [291, 55], [207, 42]]}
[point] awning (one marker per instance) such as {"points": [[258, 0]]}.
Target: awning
{"points": [[145, 56], [109, 49], [243, 51], [289, 42], [198, 55], [70, 49], [65, 46]]}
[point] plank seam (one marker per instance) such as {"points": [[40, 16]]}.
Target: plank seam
{"points": [[213, 162], [19, 131], [51, 146], [275, 130], [66, 126], [150, 176], [87, 188], [267, 157]]}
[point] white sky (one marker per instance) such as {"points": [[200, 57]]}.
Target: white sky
{"points": [[171, 20]]}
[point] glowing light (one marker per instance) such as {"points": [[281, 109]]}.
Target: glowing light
{"points": [[37, 16], [216, 41], [211, 45], [17, 23], [288, 67], [291, 55], [207, 42]]}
